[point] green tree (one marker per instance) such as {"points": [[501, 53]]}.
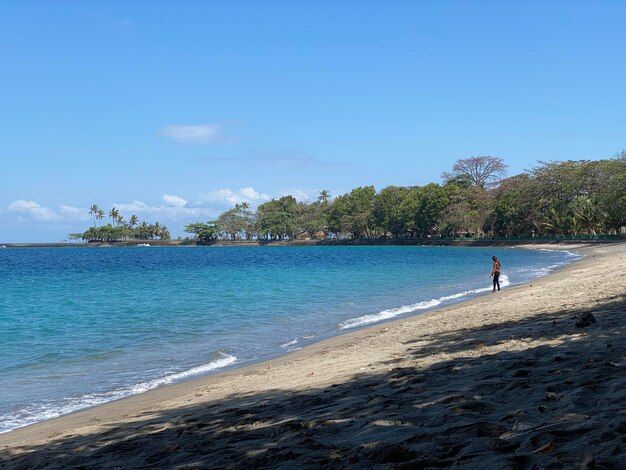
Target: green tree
{"points": [[277, 219], [164, 233], [338, 216], [237, 222], [352, 214], [587, 216], [311, 219], [143, 231], [387, 211], [610, 195], [203, 231], [516, 212], [467, 210], [75, 237]]}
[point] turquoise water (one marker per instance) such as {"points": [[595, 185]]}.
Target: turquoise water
{"points": [[82, 326]]}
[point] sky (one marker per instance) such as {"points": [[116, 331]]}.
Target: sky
{"points": [[176, 110]]}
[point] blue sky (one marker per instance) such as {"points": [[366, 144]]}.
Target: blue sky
{"points": [[176, 110]]}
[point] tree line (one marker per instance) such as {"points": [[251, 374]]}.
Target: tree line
{"points": [[475, 199], [119, 229]]}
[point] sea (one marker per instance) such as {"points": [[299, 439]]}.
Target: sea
{"points": [[84, 326]]}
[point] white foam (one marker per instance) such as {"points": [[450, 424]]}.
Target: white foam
{"points": [[168, 379], [567, 252], [394, 312], [387, 314], [43, 411], [289, 343], [455, 296]]}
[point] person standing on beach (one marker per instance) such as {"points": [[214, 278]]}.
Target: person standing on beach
{"points": [[495, 273]]}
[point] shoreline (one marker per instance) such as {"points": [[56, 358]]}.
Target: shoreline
{"points": [[469, 242], [330, 362], [359, 325]]}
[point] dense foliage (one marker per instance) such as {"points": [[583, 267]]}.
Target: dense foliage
{"points": [[553, 199], [120, 229]]}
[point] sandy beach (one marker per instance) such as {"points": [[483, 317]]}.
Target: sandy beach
{"points": [[531, 377]]}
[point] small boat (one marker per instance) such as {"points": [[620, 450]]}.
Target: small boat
{"points": [[2, 246], [144, 244]]}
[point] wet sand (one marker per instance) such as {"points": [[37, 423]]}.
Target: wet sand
{"points": [[514, 379]]}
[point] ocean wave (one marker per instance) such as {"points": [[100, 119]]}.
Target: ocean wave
{"points": [[404, 309], [224, 361], [289, 343], [387, 314], [48, 410]]}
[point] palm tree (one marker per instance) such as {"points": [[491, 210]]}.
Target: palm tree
{"points": [[588, 216], [100, 214], [144, 231], [324, 196], [157, 230], [134, 220], [555, 222], [93, 211], [114, 214]]}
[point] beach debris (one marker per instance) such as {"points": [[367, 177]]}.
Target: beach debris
{"points": [[522, 426], [309, 374], [549, 447], [507, 436], [587, 319], [518, 429]]}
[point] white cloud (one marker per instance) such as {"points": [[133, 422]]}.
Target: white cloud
{"points": [[301, 196], [34, 210], [253, 194], [167, 212], [194, 134], [74, 213], [174, 200], [135, 206], [228, 196]]}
